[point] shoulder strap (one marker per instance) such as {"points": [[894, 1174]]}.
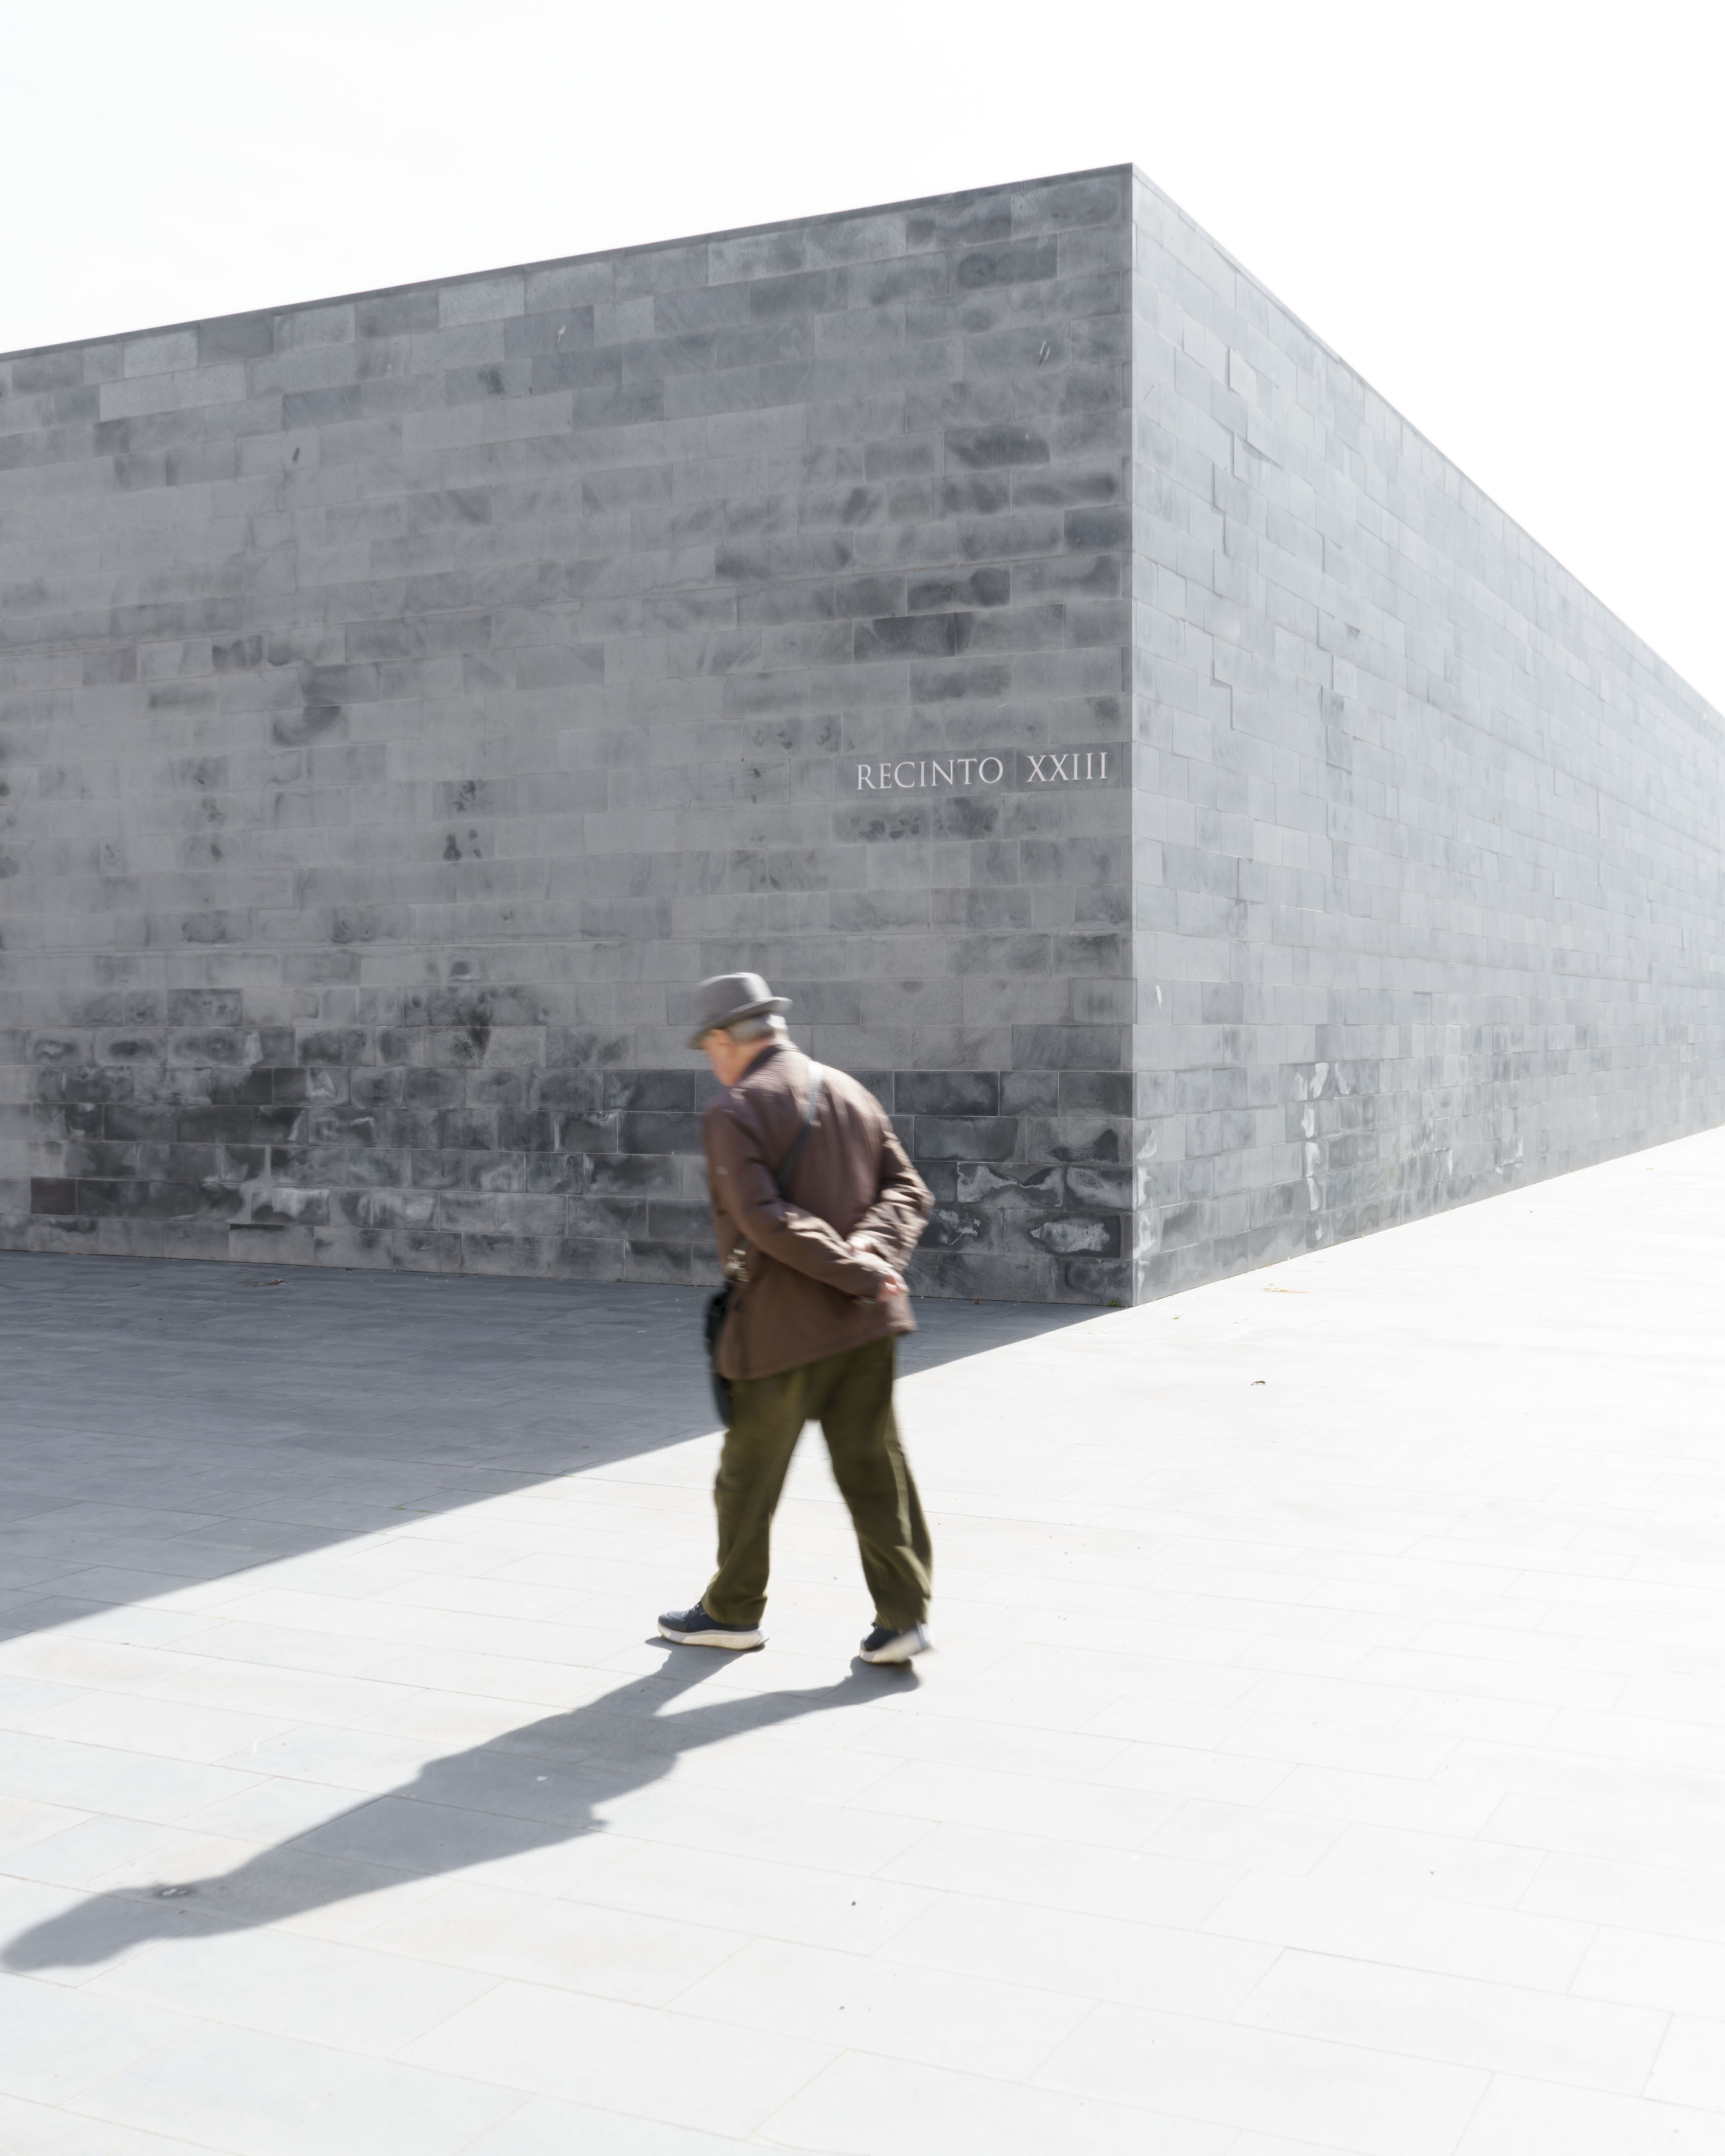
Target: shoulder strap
{"points": [[787, 1166]]}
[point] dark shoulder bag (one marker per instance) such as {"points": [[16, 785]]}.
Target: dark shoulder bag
{"points": [[718, 1305]]}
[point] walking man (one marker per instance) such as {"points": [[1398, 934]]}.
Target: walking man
{"points": [[815, 1215]]}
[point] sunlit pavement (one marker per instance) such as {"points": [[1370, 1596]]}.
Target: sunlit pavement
{"points": [[1325, 1748]]}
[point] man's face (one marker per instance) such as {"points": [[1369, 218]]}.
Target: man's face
{"points": [[729, 1058]]}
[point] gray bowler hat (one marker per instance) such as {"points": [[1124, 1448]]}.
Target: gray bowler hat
{"points": [[728, 997]]}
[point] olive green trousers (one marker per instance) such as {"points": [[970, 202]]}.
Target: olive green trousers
{"points": [[851, 1397]]}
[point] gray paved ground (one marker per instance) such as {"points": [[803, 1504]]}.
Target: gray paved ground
{"points": [[1325, 1750], [319, 1404]]}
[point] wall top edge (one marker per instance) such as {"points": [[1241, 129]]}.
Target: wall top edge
{"points": [[1669, 675], [596, 255]]}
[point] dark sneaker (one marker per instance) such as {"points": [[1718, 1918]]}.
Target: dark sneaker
{"points": [[883, 1644], [694, 1628]]}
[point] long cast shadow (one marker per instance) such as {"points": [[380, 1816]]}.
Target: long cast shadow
{"points": [[535, 1787]]}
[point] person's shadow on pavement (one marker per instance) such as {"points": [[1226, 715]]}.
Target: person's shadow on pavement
{"points": [[532, 1789]]}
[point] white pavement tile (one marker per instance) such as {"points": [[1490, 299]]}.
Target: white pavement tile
{"points": [[234, 2090], [1463, 2020], [729, 1823], [542, 2127], [1691, 2065], [290, 1696], [1652, 1969], [101, 1665], [39, 2129], [1687, 1837], [1631, 1896], [287, 1647], [85, 1854], [1180, 1766], [1261, 2081], [351, 1997], [23, 1822], [98, 1778], [22, 1699], [1054, 1874], [600, 2051], [1249, 1838], [747, 1895], [1445, 1866], [56, 2042], [976, 2025], [1092, 1957], [1002, 1747], [1540, 2118], [865, 2106], [1411, 1931], [1015, 1804], [576, 1946], [159, 1727]]}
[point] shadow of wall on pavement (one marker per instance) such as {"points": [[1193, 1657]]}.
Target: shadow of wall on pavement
{"points": [[165, 1423], [532, 1789]]}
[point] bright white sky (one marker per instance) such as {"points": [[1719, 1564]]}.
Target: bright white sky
{"points": [[1510, 217]]}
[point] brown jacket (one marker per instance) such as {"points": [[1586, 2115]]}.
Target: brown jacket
{"points": [[807, 1294]]}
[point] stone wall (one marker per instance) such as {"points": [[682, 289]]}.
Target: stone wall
{"points": [[1208, 824], [1431, 885], [405, 700]]}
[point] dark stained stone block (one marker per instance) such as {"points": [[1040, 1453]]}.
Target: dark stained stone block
{"points": [[900, 636], [960, 589], [431, 1169], [1076, 1234], [952, 1228], [575, 1131], [983, 1182], [970, 1137], [291, 1208], [375, 1167], [310, 1085], [1017, 262], [1101, 1092], [86, 1083], [876, 823], [556, 1173], [1099, 1279], [527, 1130], [1029, 1092], [505, 1173], [216, 1126], [306, 1166], [990, 448], [947, 1093], [651, 1133], [671, 1221], [1098, 1189], [674, 1262], [1067, 1047], [672, 1090], [468, 1130], [635, 1175], [1092, 529], [426, 1249], [203, 1007], [430, 1089]]}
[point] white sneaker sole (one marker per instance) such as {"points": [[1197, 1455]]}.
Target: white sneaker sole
{"points": [[738, 1642], [900, 1650]]}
